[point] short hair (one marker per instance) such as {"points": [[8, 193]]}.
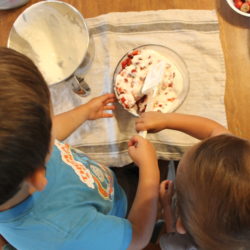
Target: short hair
{"points": [[25, 121], [213, 194]]}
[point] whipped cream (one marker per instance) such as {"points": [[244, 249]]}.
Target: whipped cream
{"points": [[130, 79]]}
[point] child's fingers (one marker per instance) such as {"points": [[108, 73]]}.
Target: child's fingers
{"points": [[109, 100], [167, 190], [108, 95], [138, 121], [109, 107], [163, 187], [102, 101], [140, 125], [132, 145], [133, 141], [170, 187], [106, 115]]}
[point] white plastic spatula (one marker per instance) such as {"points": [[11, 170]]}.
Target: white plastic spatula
{"points": [[152, 80], [154, 77]]}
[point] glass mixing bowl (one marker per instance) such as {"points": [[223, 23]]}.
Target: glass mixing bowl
{"points": [[172, 58]]}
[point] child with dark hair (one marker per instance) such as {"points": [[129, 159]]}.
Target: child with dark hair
{"points": [[209, 207], [52, 196]]}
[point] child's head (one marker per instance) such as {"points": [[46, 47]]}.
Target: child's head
{"points": [[25, 121], [213, 193]]}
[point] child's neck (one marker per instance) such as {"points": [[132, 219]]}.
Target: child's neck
{"points": [[22, 194]]}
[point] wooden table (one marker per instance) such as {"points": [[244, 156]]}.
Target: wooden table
{"points": [[235, 37]]}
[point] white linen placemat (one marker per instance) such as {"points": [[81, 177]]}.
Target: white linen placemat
{"points": [[193, 34]]}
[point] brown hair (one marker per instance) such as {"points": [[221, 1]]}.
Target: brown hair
{"points": [[25, 122], [213, 194]]}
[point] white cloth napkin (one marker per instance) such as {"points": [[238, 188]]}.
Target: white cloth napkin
{"points": [[193, 34]]}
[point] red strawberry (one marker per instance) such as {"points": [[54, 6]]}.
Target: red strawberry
{"points": [[124, 63], [238, 4], [123, 99], [135, 52], [171, 99], [129, 61], [120, 90]]}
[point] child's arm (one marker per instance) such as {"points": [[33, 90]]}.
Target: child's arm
{"points": [[66, 123], [196, 126], [144, 209]]}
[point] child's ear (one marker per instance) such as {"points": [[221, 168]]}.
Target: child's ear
{"points": [[38, 179], [179, 226]]}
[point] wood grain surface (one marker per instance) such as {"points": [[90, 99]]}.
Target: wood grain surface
{"points": [[235, 38]]}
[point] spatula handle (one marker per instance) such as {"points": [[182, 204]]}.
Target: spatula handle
{"points": [[149, 108], [143, 133]]}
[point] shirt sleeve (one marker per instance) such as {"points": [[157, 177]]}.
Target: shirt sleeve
{"points": [[104, 232], [175, 241]]}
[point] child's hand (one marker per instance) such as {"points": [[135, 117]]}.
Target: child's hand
{"points": [[166, 195], [151, 121], [98, 105], [142, 151]]}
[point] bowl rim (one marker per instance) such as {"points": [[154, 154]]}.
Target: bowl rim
{"points": [[231, 4], [36, 7], [183, 68]]}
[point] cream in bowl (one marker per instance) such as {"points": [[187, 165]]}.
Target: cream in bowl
{"points": [[132, 70]]}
